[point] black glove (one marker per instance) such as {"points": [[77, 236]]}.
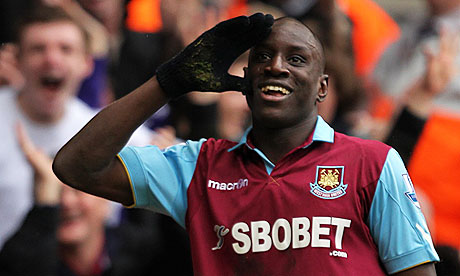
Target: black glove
{"points": [[203, 64]]}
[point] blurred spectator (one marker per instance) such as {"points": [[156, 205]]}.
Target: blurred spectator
{"points": [[53, 58], [404, 62], [418, 102], [67, 229], [420, 73], [92, 90]]}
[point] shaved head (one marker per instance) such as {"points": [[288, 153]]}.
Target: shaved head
{"points": [[312, 42]]}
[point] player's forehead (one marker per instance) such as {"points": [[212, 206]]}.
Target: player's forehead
{"points": [[288, 23], [290, 33], [295, 30]]}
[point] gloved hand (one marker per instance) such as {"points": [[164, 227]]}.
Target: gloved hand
{"points": [[203, 64]]}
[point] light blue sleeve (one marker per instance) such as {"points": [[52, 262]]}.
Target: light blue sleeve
{"points": [[396, 222], [160, 178]]}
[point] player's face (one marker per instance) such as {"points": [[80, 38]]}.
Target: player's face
{"points": [[54, 61], [285, 75], [82, 216]]}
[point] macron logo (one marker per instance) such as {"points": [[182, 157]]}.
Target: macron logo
{"points": [[228, 186]]}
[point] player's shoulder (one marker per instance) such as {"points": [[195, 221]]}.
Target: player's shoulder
{"points": [[367, 148], [203, 147], [213, 144]]}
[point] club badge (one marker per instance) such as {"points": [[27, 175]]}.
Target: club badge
{"points": [[329, 182]]}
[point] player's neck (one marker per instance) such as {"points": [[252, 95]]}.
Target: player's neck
{"points": [[275, 143]]}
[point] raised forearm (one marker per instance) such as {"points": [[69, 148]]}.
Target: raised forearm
{"points": [[86, 160], [106, 134]]}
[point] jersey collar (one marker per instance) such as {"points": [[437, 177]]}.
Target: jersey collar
{"points": [[322, 133]]}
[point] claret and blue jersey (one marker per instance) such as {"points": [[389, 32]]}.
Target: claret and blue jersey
{"points": [[335, 205]]}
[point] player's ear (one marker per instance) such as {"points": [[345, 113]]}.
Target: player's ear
{"points": [[322, 88]]}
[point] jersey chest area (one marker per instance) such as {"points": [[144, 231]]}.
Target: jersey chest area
{"points": [[304, 183], [311, 205]]}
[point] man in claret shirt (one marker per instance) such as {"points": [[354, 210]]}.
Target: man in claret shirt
{"points": [[293, 197]]}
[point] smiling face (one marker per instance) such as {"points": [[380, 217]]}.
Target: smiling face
{"points": [[54, 61], [285, 72]]}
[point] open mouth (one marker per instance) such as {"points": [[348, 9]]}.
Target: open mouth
{"points": [[274, 90], [51, 82]]}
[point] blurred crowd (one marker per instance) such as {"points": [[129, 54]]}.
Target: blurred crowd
{"points": [[61, 60]]}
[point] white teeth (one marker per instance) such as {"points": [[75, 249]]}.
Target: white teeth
{"points": [[275, 88]]}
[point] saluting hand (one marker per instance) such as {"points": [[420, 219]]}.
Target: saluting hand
{"points": [[203, 65]]}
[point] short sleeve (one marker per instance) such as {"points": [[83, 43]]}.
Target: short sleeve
{"points": [[160, 178], [396, 222]]}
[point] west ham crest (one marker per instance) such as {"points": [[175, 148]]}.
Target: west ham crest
{"points": [[329, 182]]}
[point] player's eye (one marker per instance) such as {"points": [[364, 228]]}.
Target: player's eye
{"points": [[262, 57], [297, 60]]}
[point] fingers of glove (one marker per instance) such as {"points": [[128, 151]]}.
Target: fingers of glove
{"points": [[232, 26], [259, 29], [261, 25], [257, 24], [205, 61], [229, 39]]}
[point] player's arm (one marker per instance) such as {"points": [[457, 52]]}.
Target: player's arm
{"points": [[88, 161], [397, 224]]}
